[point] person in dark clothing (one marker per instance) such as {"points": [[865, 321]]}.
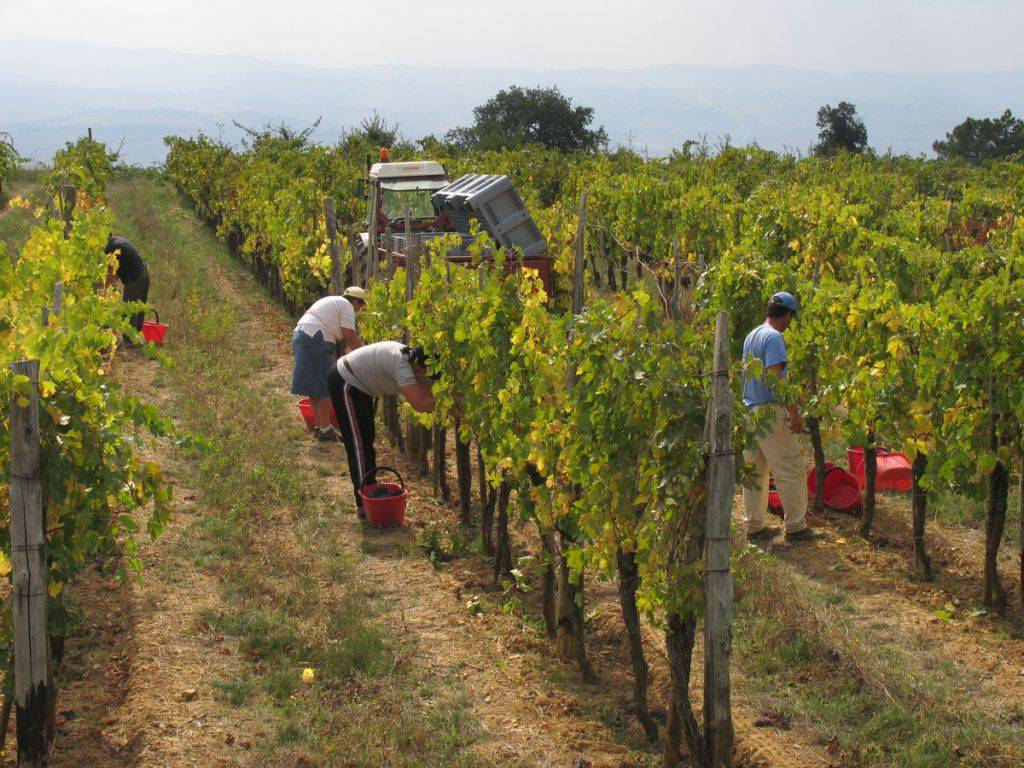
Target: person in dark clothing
{"points": [[131, 271], [355, 383]]}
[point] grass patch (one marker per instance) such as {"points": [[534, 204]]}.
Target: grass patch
{"points": [[955, 510], [16, 223], [356, 646], [233, 690], [260, 633], [882, 704]]}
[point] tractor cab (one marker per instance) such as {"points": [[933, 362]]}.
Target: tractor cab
{"points": [[395, 188]]}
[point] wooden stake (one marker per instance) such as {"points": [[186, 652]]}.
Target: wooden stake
{"points": [[464, 475], [577, 272], [718, 727], [337, 277], [358, 269], [569, 616], [28, 563], [372, 242], [68, 197], [675, 310], [58, 297]]}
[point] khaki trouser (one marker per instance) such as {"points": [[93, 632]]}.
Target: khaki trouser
{"points": [[777, 449]]}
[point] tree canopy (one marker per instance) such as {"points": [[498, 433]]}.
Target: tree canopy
{"points": [[518, 116], [840, 128], [986, 139]]}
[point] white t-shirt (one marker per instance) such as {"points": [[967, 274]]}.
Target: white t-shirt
{"points": [[330, 314], [378, 369]]}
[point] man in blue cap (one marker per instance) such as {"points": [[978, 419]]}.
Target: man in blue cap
{"points": [[775, 449]]}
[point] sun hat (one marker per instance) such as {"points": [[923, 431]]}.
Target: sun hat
{"points": [[355, 292]]}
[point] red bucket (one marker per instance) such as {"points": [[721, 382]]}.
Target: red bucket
{"points": [[384, 511], [842, 493], [154, 331], [893, 474], [774, 500], [306, 411]]}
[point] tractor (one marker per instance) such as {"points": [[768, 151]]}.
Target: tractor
{"points": [[411, 203]]}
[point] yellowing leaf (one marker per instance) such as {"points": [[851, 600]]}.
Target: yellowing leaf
{"points": [[55, 588], [5, 564], [895, 348]]}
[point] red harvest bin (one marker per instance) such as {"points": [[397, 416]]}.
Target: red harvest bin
{"points": [[774, 500], [894, 473], [154, 330], [306, 410], [842, 492]]}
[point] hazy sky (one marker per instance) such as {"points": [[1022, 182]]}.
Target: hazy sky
{"points": [[912, 36]]}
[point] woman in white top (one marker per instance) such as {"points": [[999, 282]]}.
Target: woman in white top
{"points": [[323, 334]]}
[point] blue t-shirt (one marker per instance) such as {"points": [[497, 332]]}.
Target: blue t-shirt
{"points": [[768, 346]]}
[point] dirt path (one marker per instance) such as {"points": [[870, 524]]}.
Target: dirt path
{"points": [[877, 579], [139, 693]]}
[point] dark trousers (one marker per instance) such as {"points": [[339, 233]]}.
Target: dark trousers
{"points": [[355, 410], [137, 290]]}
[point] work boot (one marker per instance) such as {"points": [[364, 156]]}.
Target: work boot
{"points": [[766, 534], [326, 435], [807, 534]]}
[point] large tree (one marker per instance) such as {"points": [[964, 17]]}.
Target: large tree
{"points": [[518, 116], [976, 140], [839, 128]]}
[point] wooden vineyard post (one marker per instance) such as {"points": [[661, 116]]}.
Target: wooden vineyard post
{"points": [[718, 728], [28, 563], [68, 197], [56, 641], [386, 272], [332, 246], [373, 244], [359, 270], [463, 475], [569, 641], [439, 437], [463, 459], [1020, 540], [411, 435], [58, 297], [417, 440]]}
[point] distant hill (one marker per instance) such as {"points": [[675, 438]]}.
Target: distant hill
{"points": [[50, 92]]}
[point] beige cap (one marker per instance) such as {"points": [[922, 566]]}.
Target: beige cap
{"points": [[355, 292]]}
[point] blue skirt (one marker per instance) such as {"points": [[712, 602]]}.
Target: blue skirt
{"points": [[313, 360]]}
